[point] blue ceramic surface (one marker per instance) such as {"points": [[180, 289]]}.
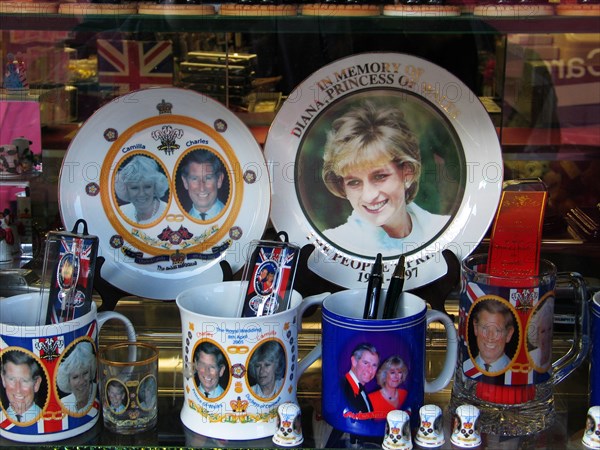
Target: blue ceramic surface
{"points": [[343, 331]]}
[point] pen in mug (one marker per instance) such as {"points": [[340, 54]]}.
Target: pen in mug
{"points": [[394, 292], [374, 289]]}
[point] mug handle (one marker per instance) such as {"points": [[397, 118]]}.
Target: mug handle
{"points": [[105, 316], [451, 352], [315, 353], [571, 360]]}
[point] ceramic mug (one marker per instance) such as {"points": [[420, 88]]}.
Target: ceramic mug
{"points": [[49, 379], [594, 354], [238, 370], [371, 367]]}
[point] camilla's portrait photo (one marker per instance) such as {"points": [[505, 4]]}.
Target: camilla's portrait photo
{"points": [[142, 189], [380, 171]]}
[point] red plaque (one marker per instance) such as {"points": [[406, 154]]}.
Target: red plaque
{"points": [[517, 234]]}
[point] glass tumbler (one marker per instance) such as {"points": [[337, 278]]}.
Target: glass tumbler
{"points": [[128, 387]]}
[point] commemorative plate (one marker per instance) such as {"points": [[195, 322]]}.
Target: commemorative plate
{"points": [[383, 153], [172, 183]]}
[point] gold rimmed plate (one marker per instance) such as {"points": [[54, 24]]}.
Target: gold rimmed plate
{"points": [[154, 244]]}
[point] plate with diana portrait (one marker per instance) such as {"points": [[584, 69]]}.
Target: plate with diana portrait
{"points": [[383, 153], [172, 183]]}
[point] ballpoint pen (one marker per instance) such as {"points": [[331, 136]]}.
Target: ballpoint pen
{"points": [[374, 289], [394, 292]]}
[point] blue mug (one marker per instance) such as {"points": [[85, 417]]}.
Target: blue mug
{"points": [[371, 367], [595, 352]]}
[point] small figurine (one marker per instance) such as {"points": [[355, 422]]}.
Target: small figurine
{"points": [[430, 433], [397, 431], [465, 429], [289, 425], [591, 434], [7, 237], [9, 159], [17, 158], [26, 157], [15, 76]]}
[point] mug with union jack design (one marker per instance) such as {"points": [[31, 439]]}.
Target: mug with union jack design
{"points": [[594, 355], [49, 380], [507, 367]]}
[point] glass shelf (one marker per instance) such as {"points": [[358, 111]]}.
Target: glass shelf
{"points": [[158, 322], [303, 24]]}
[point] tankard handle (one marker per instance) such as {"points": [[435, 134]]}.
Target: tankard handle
{"points": [[571, 360]]}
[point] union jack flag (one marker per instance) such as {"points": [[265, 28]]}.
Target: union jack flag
{"points": [[83, 252], [271, 280], [131, 65]]}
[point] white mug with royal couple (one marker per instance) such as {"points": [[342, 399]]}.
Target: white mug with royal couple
{"points": [[238, 370]]}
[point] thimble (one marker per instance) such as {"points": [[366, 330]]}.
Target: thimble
{"points": [[430, 433], [591, 434], [465, 429], [289, 425], [397, 431]]}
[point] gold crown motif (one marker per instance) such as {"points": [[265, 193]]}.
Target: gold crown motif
{"points": [[164, 107]]}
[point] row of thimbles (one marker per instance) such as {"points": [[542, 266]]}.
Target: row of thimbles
{"points": [[465, 431], [430, 434]]}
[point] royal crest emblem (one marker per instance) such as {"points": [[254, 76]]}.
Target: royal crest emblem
{"points": [[167, 135], [50, 348], [238, 405], [524, 299]]}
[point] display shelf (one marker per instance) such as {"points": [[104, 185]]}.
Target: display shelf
{"points": [[303, 24], [158, 322], [58, 137], [574, 136]]}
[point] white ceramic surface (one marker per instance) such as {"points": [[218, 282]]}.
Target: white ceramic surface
{"points": [[468, 167], [174, 252], [239, 409]]}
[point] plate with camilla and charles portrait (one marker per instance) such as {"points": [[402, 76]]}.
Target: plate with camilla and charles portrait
{"points": [[172, 183], [383, 153]]}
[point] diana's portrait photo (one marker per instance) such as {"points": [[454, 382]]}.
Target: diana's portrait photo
{"points": [[380, 171]]}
